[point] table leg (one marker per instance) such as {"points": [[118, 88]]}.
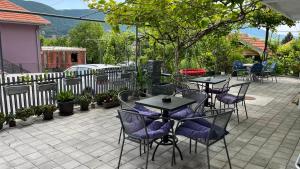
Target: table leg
{"points": [[207, 92]]}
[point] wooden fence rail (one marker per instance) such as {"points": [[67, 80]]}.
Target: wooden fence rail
{"points": [[32, 90]]}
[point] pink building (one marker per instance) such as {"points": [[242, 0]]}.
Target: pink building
{"points": [[20, 39]]}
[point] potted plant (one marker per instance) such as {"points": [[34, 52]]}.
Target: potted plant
{"points": [[71, 79], [24, 113], [100, 98], [84, 101], [46, 110], [111, 101], [2, 120], [65, 103], [126, 94], [10, 120]]}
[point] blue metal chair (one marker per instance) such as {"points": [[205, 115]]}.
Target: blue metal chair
{"points": [[137, 130], [239, 68], [219, 89], [257, 72], [229, 99], [271, 71], [206, 130], [194, 110], [127, 101]]}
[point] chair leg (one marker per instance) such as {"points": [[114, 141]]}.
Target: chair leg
{"points": [[147, 154], [140, 148], [196, 146], [245, 108], [173, 149], [237, 112], [121, 130], [207, 153], [119, 163], [227, 152], [190, 145]]}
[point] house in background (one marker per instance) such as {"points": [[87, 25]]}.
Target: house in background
{"points": [[255, 46], [56, 58], [20, 39]]}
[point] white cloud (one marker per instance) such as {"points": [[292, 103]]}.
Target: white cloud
{"points": [[284, 29]]}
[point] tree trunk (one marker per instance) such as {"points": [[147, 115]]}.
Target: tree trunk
{"points": [[177, 51], [266, 44]]}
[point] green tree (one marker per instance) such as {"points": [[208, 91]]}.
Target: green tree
{"points": [[179, 23], [269, 19], [88, 35], [287, 38], [59, 41]]}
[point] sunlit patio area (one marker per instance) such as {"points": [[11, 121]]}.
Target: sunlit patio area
{"points": [[269, 138]]}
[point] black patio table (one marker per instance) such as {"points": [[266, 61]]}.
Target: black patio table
{"points": [[208, 81], [176, 103]]}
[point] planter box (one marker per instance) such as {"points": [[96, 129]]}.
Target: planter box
{"points": [[101, 79], [46, 86], [110, 104], [125, 75], [73, 81], [16, 89]]}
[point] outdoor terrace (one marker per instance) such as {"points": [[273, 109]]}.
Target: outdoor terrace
{"points": [[268, 139]]}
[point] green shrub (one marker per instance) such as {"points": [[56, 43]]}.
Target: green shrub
{"points": [[2, 118], [65, 96], [24, 113], [84, 99]]}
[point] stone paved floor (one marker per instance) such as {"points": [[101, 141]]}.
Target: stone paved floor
{"points": [[268, 139]]}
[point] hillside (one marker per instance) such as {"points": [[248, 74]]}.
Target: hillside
{"points": [[59, 27]]}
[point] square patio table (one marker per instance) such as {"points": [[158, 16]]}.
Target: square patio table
{"points": [[208, 81], [176, 103]]}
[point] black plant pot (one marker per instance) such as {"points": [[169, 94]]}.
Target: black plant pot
{"points": [[1, 126], [110, 104], [12, 123], [84, 107], [48, 116], [66, 108], [143, 92]]}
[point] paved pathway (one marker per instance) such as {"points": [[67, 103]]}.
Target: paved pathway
{"points": [[268, 139]]}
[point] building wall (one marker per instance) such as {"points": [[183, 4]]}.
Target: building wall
{"points": [[20, 45], [60, 60]]}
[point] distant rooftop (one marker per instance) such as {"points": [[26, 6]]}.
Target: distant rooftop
{"points": [[11, 17], [255, 43], [60, 48]]}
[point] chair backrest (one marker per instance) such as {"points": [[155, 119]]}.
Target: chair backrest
{"points": [[273, 67], [127, 100], [256, 68], [180, 86], [264, 63], [243, 89], [224, 84], [237, 65], [220, 121], [131, 121], [197, 95]]}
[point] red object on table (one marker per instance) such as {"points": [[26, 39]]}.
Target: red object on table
{"points": [[193, 72]]}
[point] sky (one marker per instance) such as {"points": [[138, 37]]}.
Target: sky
{"points": [[80, 4], [64, 4]]}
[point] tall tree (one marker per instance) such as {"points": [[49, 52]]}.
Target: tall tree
{"points": [[180, 23], [287, 38], [268, 19], [88, 35]]}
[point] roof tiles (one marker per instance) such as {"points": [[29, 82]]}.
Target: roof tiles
{"points": [[12, 17]]}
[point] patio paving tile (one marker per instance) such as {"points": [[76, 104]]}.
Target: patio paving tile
{"points": [[269, 138]]}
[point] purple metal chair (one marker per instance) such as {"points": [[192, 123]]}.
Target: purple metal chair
{"points": [[136, 129], [229, 99], [194, 110], [206, 130], [219, 89], [127, 101]]}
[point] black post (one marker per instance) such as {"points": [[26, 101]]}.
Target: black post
{"points": [[1, 59], [266, 44], [136, 54]]}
